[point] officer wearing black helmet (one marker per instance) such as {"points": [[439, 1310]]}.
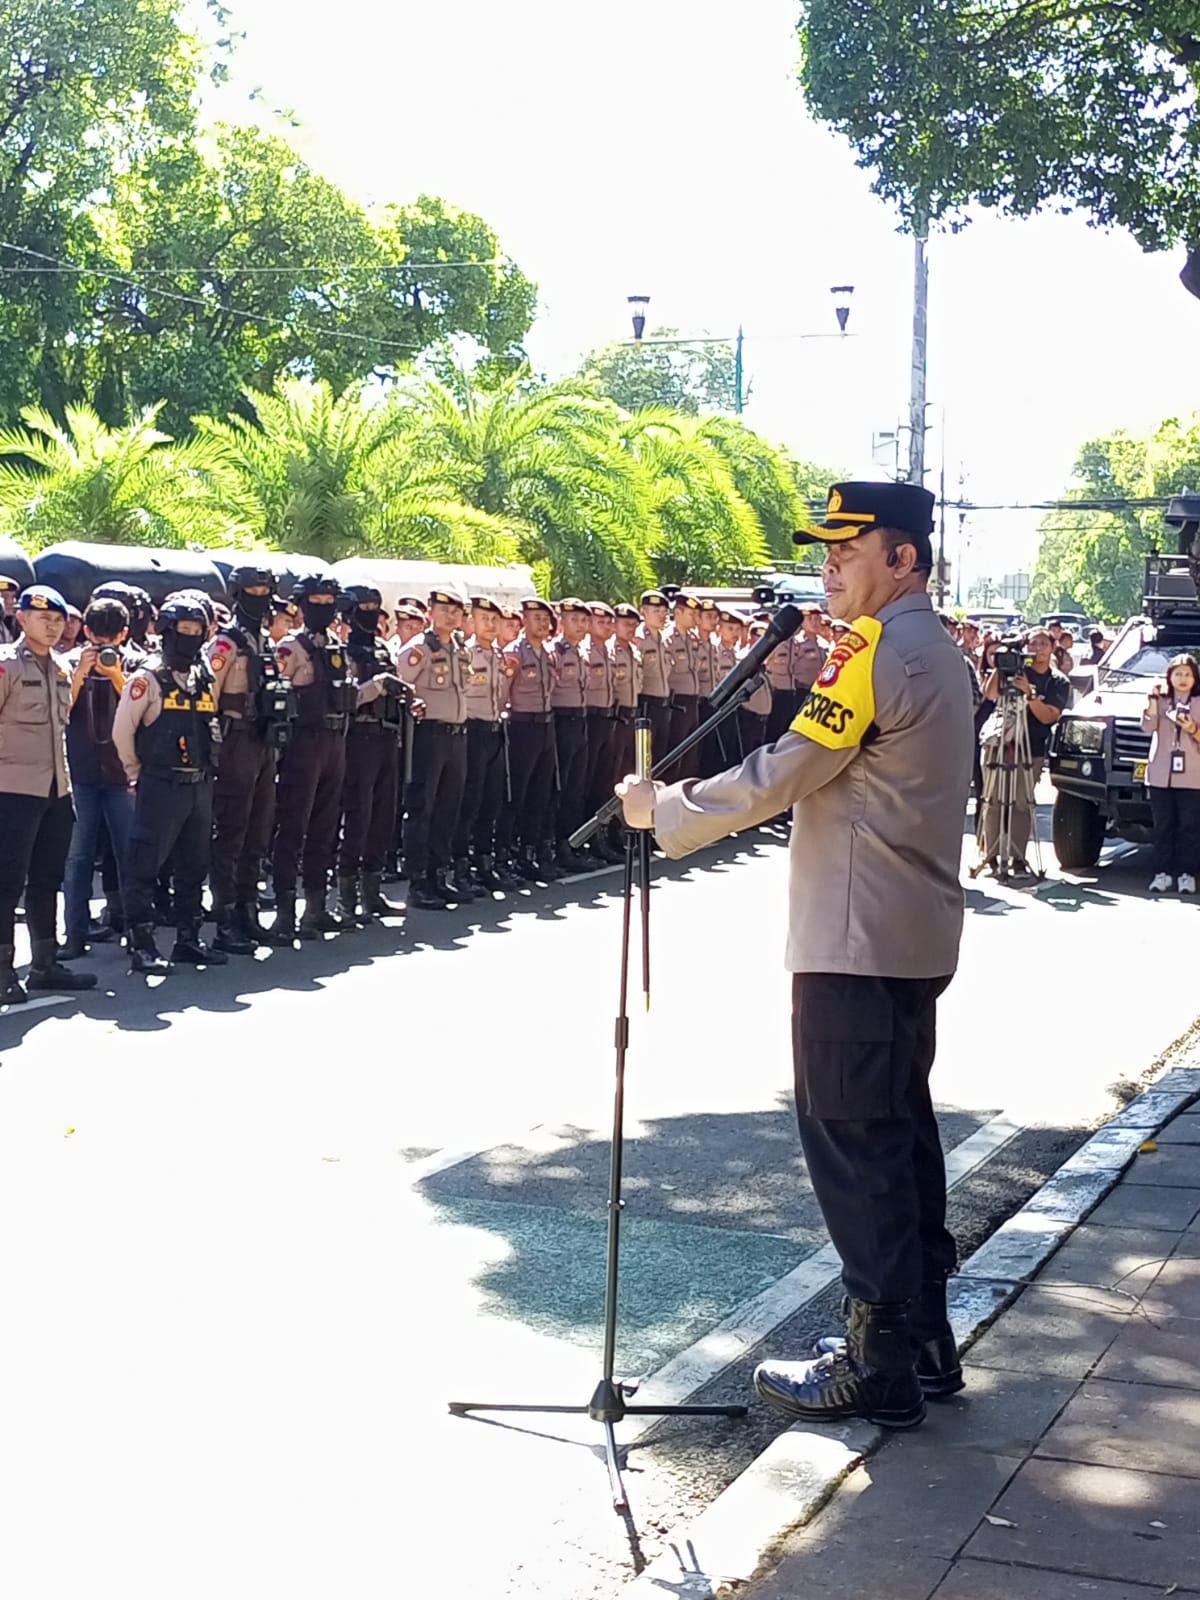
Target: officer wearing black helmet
{"points": [[166, 733], [308, 800], [372, 761], [256, 710], [139, 606]]}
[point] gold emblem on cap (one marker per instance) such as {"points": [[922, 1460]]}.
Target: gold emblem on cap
{"points": [[835, 501], [40, 601]]}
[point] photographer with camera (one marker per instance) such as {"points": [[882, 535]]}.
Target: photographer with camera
{"points": [[1029, 672], [1173, 775], [98, 782]]}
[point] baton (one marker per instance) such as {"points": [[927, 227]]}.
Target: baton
{"points": [[641, 767]]}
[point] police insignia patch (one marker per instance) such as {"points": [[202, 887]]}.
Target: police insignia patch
{"points": [[218, 661], [841, 706], [137, 688], [416, 657]]}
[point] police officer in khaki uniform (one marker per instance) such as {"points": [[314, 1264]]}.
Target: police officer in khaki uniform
{"points": [[567, 700], [755, 713], [655, 701], [807, 655], [36, 815], [711, 751], [726, 652], [779, 675], [685, 650], [627, 692], [488, 678], [531, 755], [10, 628], [877, 764], [242, 659], [313, 768], [435, 666], [166, 735], [600, 699]]}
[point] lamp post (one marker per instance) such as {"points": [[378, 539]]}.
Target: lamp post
{"points": [[638, 304], [841, 293]]}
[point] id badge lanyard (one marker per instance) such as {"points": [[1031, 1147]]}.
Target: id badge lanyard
{"points": [[1177, 754]]}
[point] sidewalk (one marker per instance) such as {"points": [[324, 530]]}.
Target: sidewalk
{"points": [[1069, 1469]]}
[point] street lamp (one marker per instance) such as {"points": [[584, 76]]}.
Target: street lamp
{"points": [[841, 293], [638, 304]]}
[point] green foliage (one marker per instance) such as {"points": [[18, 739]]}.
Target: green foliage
{"points": [[1092, 560], [1016, 104], [129, 485], [688, 378]]}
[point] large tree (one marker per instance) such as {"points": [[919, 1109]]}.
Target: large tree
{"points": [[686, 377], [1016, 105], [1094, 558]]}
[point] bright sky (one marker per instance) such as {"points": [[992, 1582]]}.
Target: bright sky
{"points": [[662, 147]]}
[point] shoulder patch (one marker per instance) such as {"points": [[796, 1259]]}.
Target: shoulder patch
{"points": [[137, 688], [416, 657], [841, 706]]}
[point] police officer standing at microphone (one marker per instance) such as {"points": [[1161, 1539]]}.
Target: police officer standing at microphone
{"points": [[877, 763]]}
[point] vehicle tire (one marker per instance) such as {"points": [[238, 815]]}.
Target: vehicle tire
{"points": [[1078, 831]]}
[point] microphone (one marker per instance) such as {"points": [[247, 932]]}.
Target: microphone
{"points": [[780, 629]]}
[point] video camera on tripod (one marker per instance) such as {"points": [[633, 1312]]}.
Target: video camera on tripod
{"points": [[1011, 658]]}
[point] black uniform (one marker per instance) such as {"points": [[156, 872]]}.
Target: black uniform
{"points": [[372, 764], [308, 801], [244, 794], [173, 814]]}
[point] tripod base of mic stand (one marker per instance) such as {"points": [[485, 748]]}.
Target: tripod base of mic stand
{"points": [[608, 1406]]}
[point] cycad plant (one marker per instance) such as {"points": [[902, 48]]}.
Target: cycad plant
{"points": [[129, 485]]}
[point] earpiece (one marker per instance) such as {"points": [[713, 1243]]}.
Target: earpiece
{"points": [[892, 557]]}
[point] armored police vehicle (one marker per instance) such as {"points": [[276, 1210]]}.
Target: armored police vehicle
{"points": [[1098, 752]]}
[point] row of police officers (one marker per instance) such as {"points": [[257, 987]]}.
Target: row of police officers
{"points": [[475, 741]]}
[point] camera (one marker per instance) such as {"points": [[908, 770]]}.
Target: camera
{"points": [[1011, 658], [107, 656]]}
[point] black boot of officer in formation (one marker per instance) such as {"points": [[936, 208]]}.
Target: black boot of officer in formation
{"points": [[871, 1374], [283, 931], [232, 937], [190, 949], [144, 954], [47, 975], [935, 1352]]}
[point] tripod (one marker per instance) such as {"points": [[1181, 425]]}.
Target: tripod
{"points": [[609, 1403], [1008, 779]]}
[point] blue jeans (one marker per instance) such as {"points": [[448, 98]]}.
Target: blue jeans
{"points": [[94, 802]]}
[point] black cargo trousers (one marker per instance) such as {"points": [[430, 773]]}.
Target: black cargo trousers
{"points": [[369, 796], [862, 1049], [243, 812]]}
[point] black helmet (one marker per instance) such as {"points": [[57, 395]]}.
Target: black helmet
{"points": [[358, 594], [135, 600], [322, 583], [194, 597], [249, 577], [181, 607]]}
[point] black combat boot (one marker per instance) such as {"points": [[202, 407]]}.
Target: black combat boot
{"points": [[460, 880], [391, 872], [12, 990], [282, 933], [426, 894], [526, 867], [935, 1352], [374, 902], [245, 915], [231, 937], [506, 872], [48, 974], [569, 861], [110, 926], [485, 875], [74, 948], [316, 920], [547, 869], [453, 892], [144, 954], [872, 1376], [191, 950], [347, 901]]}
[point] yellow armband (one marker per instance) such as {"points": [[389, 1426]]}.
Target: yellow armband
{"points": [[841, 705]]}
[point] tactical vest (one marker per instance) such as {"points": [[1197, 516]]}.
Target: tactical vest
{"points": [[182, 737], [370, 660], [330, 699], [269, 701]]}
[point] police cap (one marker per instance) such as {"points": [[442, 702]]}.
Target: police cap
{"points": [[412, 600], [446, 597], [601, 608], [654, 597], [483, 602], [409, 614], [573, 604], [624, 609], [707, 605], [535, 603], [685, 601], [857, 508], [728, 614], [41, 597], [8, 583]]}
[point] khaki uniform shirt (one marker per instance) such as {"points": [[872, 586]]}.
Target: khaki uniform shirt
{"points": [[295, 663], [727, 657], [878, 824], [706, 665], [652, 647], [532, 680], [35, 707], [626, 672], [488, 679], [231, 670], [437, 674], [568, 675], [808, 657], [599, 688], [141, 701], [778, 666], [683, 651]]}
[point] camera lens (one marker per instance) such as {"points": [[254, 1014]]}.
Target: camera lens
{"points": [[108, 656]]}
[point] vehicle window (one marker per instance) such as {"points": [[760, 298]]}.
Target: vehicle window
{"points": [[1144, 661]]}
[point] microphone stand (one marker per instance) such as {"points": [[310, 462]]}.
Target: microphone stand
{"points": [[610, 1400]]}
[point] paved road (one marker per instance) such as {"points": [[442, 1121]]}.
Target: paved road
{"points": [[263, 1222]]}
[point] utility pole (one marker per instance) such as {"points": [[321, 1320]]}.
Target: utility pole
{"points": [[916, 402], [962, 522], [737, 371]]}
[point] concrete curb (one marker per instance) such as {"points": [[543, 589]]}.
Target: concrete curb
{"points": [[787, 1485]]}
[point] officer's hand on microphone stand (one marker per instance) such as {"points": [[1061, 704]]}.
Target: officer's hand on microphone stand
{"points": [[637, 799]]}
